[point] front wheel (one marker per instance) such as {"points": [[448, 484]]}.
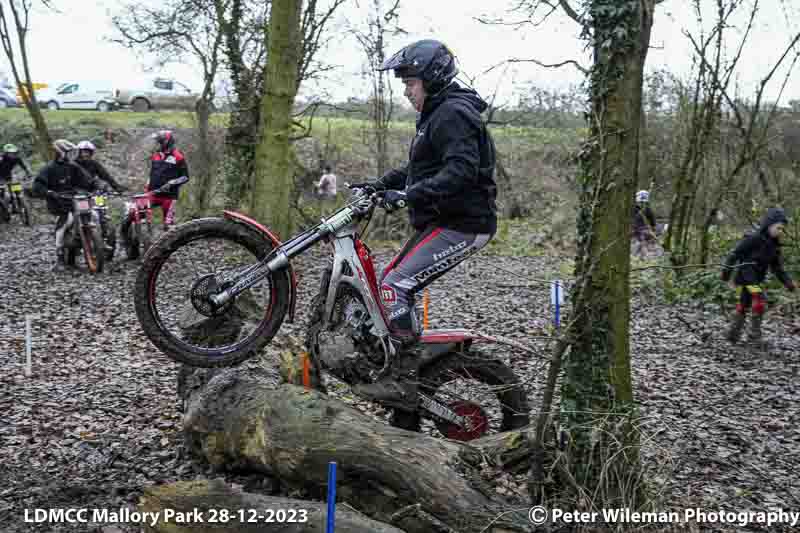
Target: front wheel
{"points": [[93, 252], [183, 269], [482, 389], [24, 212]]}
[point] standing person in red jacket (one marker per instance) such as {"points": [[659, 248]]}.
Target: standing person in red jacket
{"points": [[167, 163]]}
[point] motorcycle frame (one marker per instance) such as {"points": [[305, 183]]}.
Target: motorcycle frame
{"points": [[340, 231], [82, 218]]}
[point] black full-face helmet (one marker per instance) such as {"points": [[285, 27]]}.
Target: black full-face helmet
{"points": [[429, 60]]}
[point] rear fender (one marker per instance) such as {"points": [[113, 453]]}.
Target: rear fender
{"points": [[262, 230]]}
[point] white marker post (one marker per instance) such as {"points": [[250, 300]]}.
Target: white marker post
{"points": [[557, 300], [27, 345]]}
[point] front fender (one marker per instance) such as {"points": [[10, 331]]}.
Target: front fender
{"points": [[262, 230]]}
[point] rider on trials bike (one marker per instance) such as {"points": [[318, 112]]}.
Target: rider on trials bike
{"points": [[449, 187], [60, 176], [10, 159], [94, 168]]}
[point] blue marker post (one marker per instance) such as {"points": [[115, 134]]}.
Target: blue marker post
{"points": [[331, 496], [557, 299]]}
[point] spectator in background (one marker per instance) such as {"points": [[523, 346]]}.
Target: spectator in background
{"points": [[644, 225], [326, 187]]}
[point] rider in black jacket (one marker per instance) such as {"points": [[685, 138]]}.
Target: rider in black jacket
{"points": [[449, 187], [10, 159], [92, 167], [62, 176]]}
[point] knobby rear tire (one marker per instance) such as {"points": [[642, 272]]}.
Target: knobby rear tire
{"points": [[160, 252]]}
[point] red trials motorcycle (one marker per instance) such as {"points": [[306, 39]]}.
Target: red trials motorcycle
{"points": [[214, 291]]}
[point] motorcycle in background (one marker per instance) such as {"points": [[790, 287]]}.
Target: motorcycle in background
{"points": [[13, 201], [84, 236], [138, 222]]}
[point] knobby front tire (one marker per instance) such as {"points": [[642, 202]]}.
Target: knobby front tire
{"points": [[145, 294]]}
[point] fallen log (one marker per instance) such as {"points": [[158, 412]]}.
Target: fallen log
{"points": [[214, 506], [239, 419]]}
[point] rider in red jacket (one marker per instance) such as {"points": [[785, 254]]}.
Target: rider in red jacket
{"points": [[166, 164]]}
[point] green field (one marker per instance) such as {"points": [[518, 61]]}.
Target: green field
{"points": [[344, 131]]}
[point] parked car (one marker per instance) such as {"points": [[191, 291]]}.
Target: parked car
{"points": [[158, 93], [8, 98], [78, 95]]}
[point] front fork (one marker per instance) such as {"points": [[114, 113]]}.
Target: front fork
{"points": [[279, 258]]}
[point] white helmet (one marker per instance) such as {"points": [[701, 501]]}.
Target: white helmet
{"points": [[642, 196], [63, 147], [86, 145]]}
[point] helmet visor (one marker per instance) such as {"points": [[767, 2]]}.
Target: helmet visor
{"points": [[400, 64]]}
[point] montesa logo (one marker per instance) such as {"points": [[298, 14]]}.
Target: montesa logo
{"points": [[171, 159], [388, 295], [450, 251]]}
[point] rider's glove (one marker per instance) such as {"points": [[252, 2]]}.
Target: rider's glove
{"points": [[391, 200], [53, 195]]}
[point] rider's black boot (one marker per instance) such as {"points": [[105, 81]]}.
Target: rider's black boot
{"points": [[399, 388]]}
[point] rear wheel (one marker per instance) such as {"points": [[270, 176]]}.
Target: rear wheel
{"points": [[179, 273], [485, 390]]}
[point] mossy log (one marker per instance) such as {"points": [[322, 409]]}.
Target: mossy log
{"points": [[241, 419]]}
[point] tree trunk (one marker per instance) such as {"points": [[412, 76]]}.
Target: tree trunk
{"points": [[236, 511], [246, 116], [203, 183], [274, 169], [597, 404], [242, 419], [44, 143]]}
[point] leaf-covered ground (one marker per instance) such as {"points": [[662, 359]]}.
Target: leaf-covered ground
{"points": [[99, 418]]}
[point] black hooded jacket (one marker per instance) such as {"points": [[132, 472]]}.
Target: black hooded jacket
{"points": [[62, 177], [7, 164], [96, 170], [449, 178], [758, 252]]}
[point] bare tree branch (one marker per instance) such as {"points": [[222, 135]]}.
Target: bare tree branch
{"points": [[572, 62]]}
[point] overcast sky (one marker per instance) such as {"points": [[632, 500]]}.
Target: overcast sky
{"points": [[71, 45]]}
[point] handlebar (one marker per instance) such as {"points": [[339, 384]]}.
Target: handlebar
{"points": [[362, 190]]}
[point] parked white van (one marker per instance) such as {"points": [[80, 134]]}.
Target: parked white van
{"points": [[78, 95]]}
